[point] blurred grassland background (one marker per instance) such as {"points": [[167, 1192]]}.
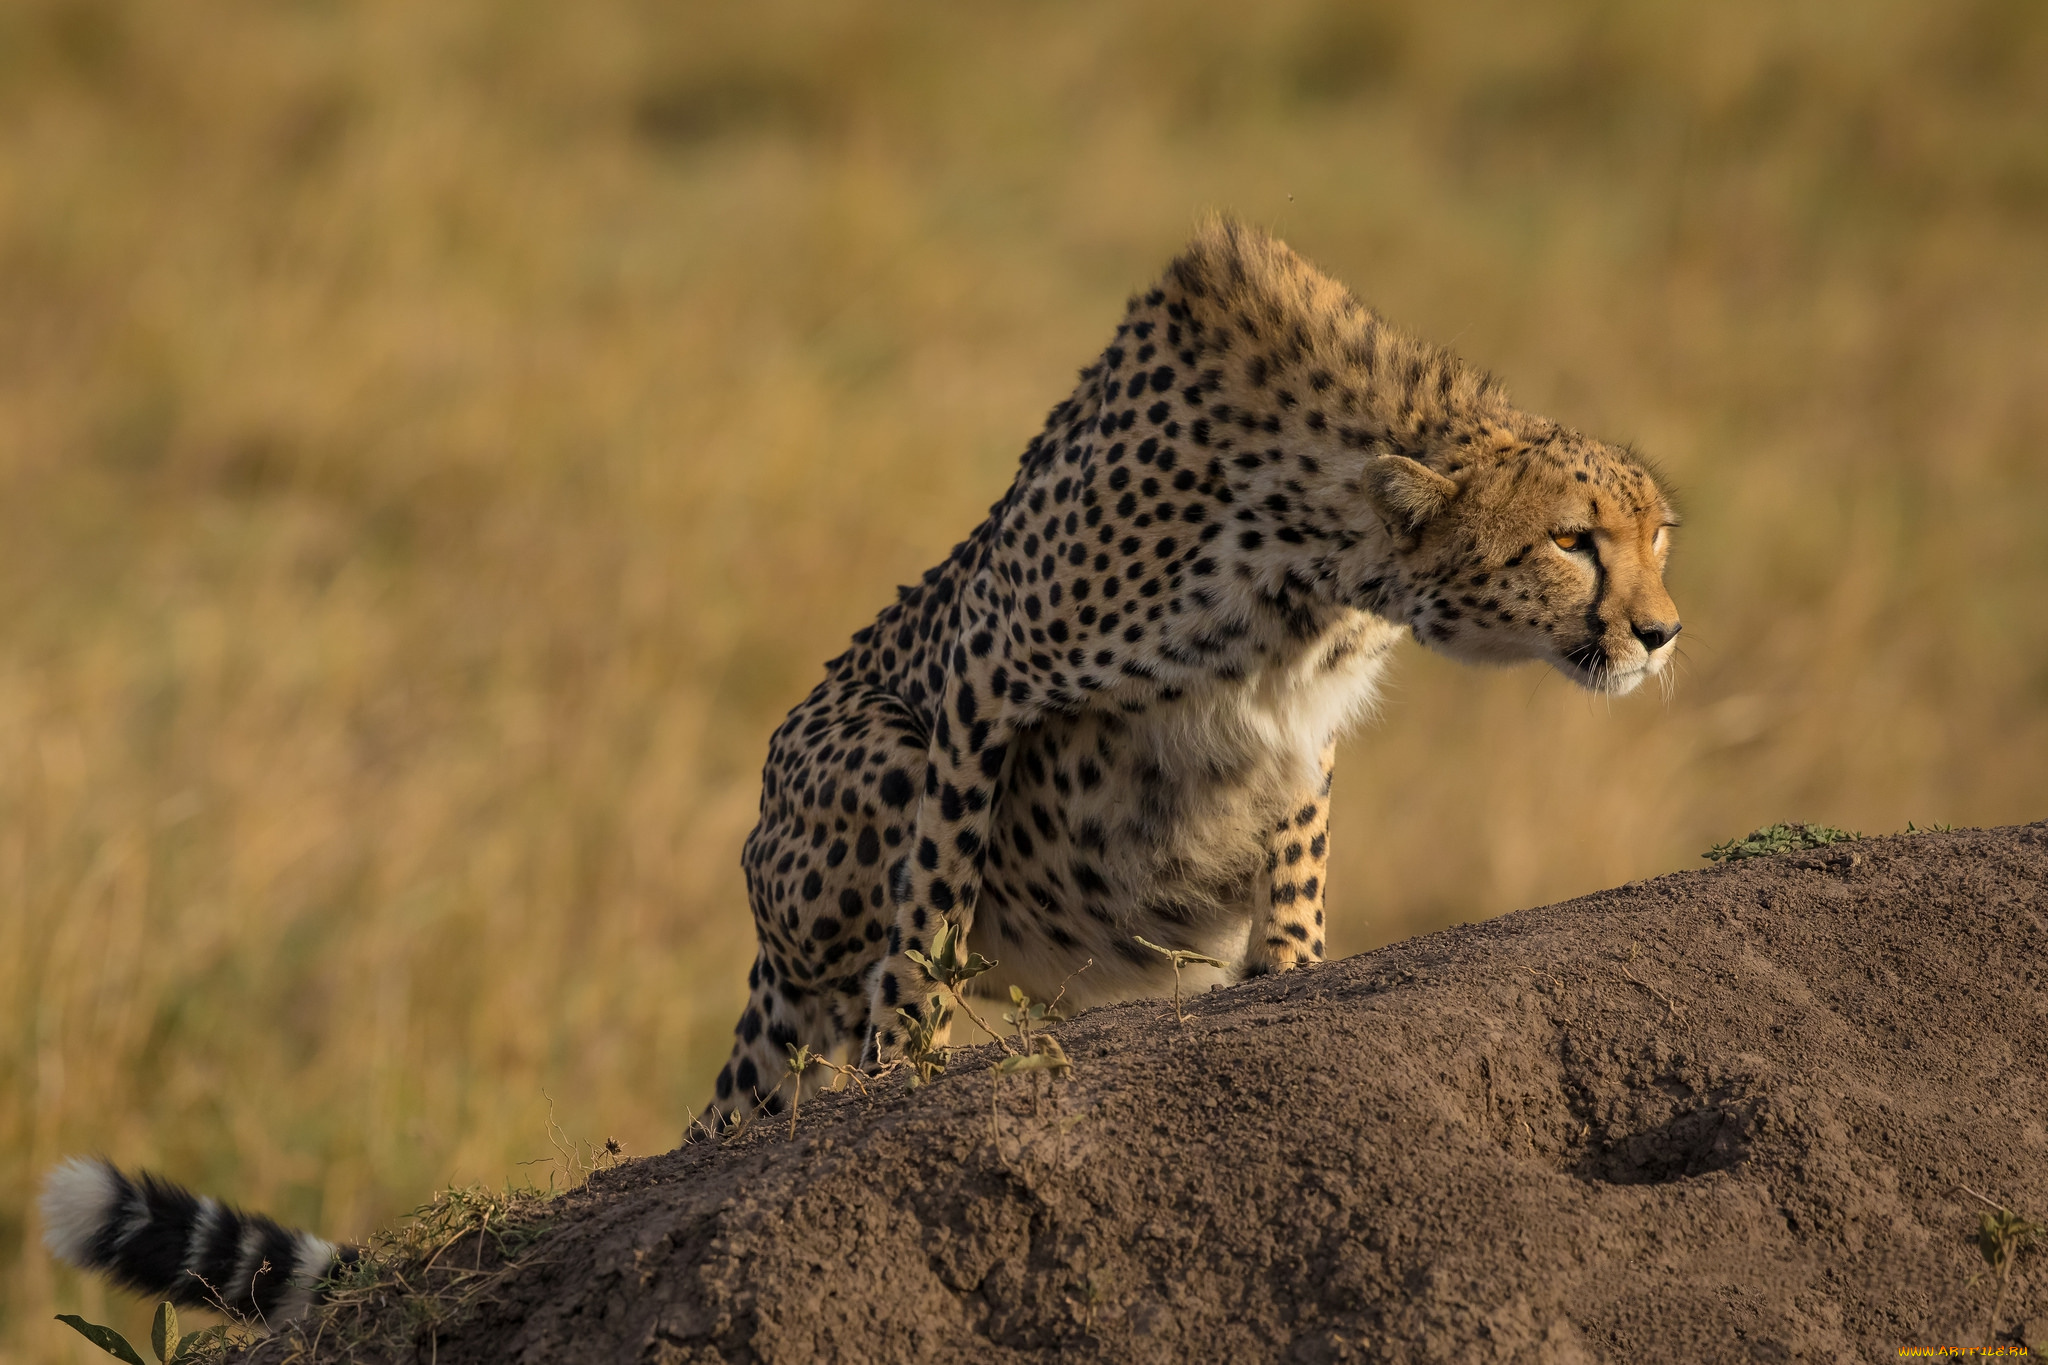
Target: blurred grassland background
{"points": [[438, 442]]}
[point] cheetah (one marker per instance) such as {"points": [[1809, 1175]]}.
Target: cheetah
{"points": [[1111, 712]]}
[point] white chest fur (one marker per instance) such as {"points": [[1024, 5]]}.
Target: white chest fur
{"points": [[1115, 825]]}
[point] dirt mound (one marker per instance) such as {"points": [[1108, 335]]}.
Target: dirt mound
{"points": [[1730, 1115]]}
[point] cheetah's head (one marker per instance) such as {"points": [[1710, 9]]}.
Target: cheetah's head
{"points": [[1531, 544], [1364, 467]]}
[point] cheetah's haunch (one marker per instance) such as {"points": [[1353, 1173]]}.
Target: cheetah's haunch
{"points": [[1112, 711]]}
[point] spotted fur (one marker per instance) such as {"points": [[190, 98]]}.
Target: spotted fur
{"points": [[1110, 712]]}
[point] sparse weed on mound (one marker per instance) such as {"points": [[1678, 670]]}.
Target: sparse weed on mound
{"points": [[1773, 839], [1180, 958], [415, 1282]]}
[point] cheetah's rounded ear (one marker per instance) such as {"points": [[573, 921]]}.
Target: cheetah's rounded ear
{"points": [[1406, 493]]}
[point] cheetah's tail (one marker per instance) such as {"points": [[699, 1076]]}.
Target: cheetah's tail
{"points": [[158, 1239]]}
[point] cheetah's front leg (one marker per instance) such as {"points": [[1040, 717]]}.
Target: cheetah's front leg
{"points": [[1287, 927], [941, 876]]}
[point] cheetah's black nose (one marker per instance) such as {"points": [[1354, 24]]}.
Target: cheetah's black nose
{"points": [[1655, 636]]}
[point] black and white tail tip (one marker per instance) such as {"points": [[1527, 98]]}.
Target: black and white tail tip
{"points": [[163, 1241]]}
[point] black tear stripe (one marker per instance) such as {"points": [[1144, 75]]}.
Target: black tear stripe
{"points": [[1595, 648]]}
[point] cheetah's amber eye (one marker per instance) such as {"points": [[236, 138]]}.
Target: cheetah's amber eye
{"points": [[1573, 541]]}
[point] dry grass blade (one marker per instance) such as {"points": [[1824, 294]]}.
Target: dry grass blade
{"points": [[1180, 958]]}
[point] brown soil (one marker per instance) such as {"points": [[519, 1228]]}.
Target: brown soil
{"points": [[1727, 1115]]}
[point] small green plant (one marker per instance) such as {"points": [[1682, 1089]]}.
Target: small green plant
{"points": [[169, 1347], [922, 1052], [1036, 1053], [1912, 828], [800, 1059], [1093, 1292], [1031, 1015], [1046, 1057], [1028, 1015], [951, 964], [1180, 958], [2000, 1237], [1772, 839]]}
